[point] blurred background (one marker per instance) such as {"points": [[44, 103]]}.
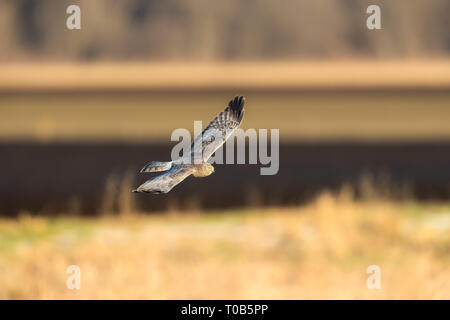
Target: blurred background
{"points": [[364, 148]]}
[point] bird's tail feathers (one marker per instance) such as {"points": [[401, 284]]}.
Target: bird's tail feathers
{"points": [[157, 166]]}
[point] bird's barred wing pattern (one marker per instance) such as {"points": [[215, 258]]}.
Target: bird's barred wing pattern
{"points": [[219, 129], [165, 182]]}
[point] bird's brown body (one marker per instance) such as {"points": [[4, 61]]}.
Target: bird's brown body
{"points": [[203, 170]]}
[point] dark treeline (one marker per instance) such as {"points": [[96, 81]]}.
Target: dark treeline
{"points": [[96, 178], [222, 30]]}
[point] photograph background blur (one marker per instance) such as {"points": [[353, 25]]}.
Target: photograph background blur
{"points": [[364, 149], [232, 30]]}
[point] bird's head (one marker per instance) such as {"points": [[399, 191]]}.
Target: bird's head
{"points": [[209, 169]]}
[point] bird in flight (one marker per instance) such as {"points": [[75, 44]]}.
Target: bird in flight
{"points": [[203, 147]]}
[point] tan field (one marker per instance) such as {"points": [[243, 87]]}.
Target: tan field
{"points": [[313, 74], [320, 250], [152, 116]]}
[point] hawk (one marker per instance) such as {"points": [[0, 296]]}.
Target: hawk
{"points": [[203, 147]]}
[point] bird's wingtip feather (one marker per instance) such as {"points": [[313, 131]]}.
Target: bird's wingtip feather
{"points": [[237, 106], [237, 103]]}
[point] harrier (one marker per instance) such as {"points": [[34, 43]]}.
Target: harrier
{"points": [[203, 147]]}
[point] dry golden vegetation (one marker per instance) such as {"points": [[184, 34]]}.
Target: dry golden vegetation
{"points": [[320, 250]]}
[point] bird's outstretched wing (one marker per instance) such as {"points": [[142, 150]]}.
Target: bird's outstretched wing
{"points": [[219, 129], [165, 182]]}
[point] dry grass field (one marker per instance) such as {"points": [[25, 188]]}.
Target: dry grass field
{"points": [[320, 250]]}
